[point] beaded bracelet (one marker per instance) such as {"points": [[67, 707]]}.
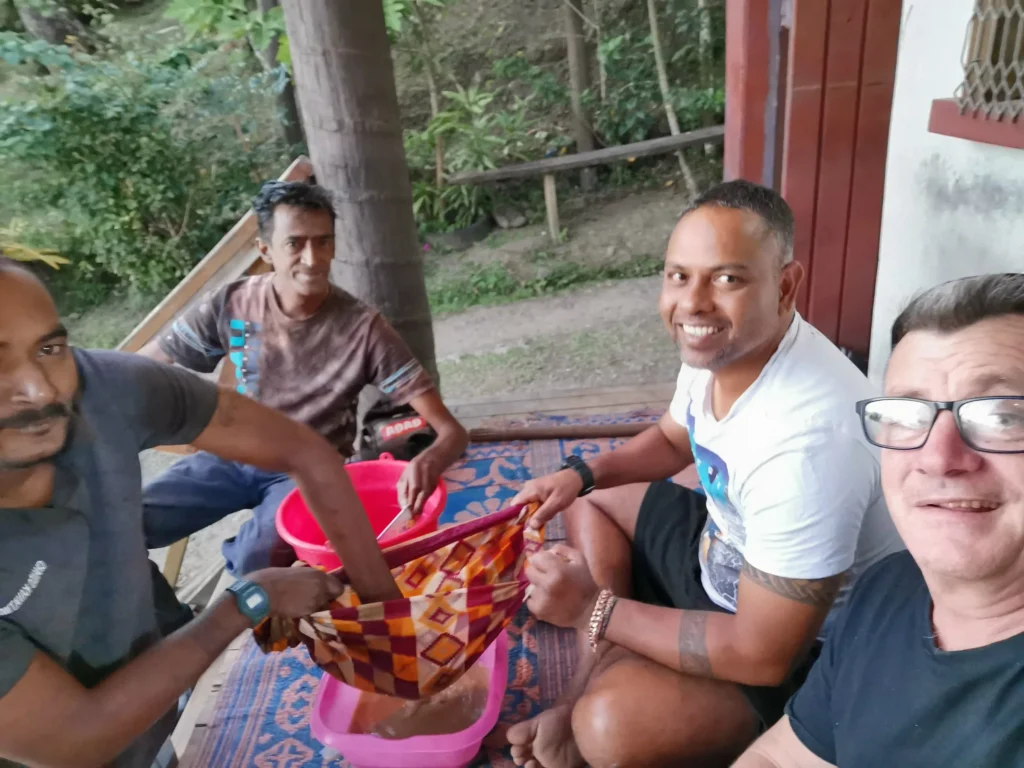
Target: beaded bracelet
{"points": [[600, 618]]}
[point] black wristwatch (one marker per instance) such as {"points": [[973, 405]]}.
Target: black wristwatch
{"points": [[579, 466]]}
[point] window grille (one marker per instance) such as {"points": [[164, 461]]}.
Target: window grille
{"points": [[993, 61]]}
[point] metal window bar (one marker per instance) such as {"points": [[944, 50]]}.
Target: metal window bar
{"points": [[993, 61]]}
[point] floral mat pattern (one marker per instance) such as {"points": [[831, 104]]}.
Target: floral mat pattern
{"points": [[261, 719]]}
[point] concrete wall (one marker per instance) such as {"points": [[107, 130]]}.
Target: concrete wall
{"points": [[952, 207]]}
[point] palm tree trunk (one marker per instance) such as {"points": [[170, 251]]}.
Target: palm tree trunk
{"points": [[666, 97], [346, 88]]}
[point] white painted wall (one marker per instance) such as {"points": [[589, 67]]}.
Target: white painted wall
{"points": [[952, 207]]}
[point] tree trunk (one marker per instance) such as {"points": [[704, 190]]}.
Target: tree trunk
{"points": [[9, 21], [666, 96], [602, 68], [435, 110], [426, 53], [579, 81], [346, 89], [704, 52], [287, 107], [50, 21]]}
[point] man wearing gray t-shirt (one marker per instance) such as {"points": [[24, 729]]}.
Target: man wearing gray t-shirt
{"points": [[84, 677]]}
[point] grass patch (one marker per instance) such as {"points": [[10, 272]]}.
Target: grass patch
{"points": [[495, 284], [106, 325]]}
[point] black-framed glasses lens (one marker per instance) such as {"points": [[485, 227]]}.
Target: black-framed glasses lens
{"points": [[993, 424], [898, 423]]}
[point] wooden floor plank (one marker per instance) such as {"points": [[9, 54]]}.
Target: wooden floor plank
{"points": [[642, 389], [569, 402]]}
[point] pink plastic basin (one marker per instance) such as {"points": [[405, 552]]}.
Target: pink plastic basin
{"points": [[336, 703], [376, 483]]}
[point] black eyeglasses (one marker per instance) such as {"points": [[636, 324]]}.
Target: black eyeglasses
{"points": [[986, 424]]}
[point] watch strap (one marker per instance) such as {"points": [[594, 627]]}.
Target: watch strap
{"points": [[579, 466], [251, 599]]}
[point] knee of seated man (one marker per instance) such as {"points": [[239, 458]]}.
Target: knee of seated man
{"points": [[597, 729], [606, 733]]}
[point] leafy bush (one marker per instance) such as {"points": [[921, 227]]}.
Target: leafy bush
{"points": [[476, 137], [633, 109], [133, 167]]}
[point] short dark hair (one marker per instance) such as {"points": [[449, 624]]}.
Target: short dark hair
{"points": [[960, 303], [297, 193], [742, 195]]}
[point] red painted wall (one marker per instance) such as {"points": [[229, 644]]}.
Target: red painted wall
{"points": [[842, 67], [746, 87], [840, 70]]}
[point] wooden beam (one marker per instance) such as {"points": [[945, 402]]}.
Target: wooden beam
{"points": [[240, 237], [175, 557], [549, 165], [551, 204]]}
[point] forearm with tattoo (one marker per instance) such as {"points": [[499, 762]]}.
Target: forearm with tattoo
{"points": [[776, 621], [693, 644], [817, 593]]}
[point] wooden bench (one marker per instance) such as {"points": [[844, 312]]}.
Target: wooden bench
{"points": [[552, 165]]}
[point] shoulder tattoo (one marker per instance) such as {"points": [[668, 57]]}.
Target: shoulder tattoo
{"points": [[819, 593]]}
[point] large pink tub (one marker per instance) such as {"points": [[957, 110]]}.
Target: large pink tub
{"points": [[336, 703]]}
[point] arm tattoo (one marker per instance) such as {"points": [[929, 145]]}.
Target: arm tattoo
{"points": [[693, 644], [819, 593]]}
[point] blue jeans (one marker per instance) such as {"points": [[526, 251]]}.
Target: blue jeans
{"points": [[202, 489]]}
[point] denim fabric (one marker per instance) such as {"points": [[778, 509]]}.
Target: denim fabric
{"points": [[202, 489]]}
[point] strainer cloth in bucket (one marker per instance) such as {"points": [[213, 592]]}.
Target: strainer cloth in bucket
{"points": [[461, 586]]}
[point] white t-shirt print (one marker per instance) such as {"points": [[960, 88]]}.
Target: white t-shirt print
{"points": [[792, 485]]}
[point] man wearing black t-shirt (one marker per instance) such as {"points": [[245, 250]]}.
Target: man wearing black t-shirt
{"points": [[925, 665]]}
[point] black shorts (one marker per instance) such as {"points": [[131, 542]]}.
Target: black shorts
{"points": [[666, 571]]}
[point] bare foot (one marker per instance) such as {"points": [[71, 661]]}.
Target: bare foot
{"points": [[546, 741]]}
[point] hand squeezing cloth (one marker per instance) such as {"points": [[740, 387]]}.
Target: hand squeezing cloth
{"points": [[461, 587]]}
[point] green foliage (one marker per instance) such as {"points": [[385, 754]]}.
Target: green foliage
{"points": [[633, 109], [16, 50], [133, 168], [226, 20], [547, 90], [494, 284], [476, 137]]}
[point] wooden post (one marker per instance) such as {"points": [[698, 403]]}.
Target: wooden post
{"points": [[551, 203]]}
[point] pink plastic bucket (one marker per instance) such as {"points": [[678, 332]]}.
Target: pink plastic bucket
{"points": [[336, 704], [376, 483]]}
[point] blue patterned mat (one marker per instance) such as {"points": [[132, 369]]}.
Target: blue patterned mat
{"points": [[261, 718]]}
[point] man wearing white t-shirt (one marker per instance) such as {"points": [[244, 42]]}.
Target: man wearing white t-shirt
{"points": [[700, 611]]}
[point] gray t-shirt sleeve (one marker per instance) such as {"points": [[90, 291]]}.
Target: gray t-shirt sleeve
{"points": [[16, 652], [164, 405]]}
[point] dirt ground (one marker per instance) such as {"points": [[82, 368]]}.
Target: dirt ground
{"points": [[602, 335]]}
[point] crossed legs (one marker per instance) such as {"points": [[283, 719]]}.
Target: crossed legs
{"points": [[622, 709]]}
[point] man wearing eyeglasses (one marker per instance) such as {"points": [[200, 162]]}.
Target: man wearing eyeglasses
{"points": [[925, 665]]}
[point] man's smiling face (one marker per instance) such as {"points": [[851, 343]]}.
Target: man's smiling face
{"points": [[38, 376], [725, 292]]}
